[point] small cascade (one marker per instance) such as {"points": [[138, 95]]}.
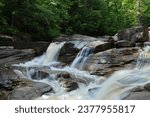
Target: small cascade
{"points": [[48, 58], [52, 52], [82, 57], [144, 58]]}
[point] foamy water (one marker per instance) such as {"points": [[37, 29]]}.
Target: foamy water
{"points": [[91, 86]]}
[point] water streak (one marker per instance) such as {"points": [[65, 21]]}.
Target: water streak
{"points": [[81, 57]]}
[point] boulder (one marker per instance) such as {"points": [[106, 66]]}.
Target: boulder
{"points": [[68, 84], [4, 94], [147, 86], [38, 47], [137, 34], [4, 53], [35, 90], [6, 38], [78, 37], [68, 53], [123, 43], [99, 46], [144, 95], [14, 56], [75, 37], [5, 83], [63, 38], [106, 62], [38, 75]]}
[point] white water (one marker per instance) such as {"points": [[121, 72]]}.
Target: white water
{"points": [[52, 52], [90, 86], [81, 57], [116, 85], [48, 58], [144, 58]]}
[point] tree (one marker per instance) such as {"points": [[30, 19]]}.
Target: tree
{"points": [[40, 19], [46, 19], [145, 13], [139, 12]]}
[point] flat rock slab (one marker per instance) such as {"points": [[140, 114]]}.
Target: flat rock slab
{"points": [[144, 95], [8, 52], [99, 46], [30, 92]]}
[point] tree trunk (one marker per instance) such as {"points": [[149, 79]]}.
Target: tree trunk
{"points": [[139, 12]]}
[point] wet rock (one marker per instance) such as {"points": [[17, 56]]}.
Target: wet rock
{"points": [[8, 52], [144, 95], [99, 46], [68, 53], [106, 62], [123, 43], [13, 56], [6, 38], [38, 47], [147, 86], [68, 84], [67, 75], [5, 83], [136, 34], [137, 89], [37, 89], [4, 94], [39, 75], [94, 90], [79, 37], [63, 38]]}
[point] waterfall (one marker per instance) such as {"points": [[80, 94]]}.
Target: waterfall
{"points": [[42, 63], [52, 52], [124, 80], [81, 57], [144, 58], [116, 86], [48, 58]]}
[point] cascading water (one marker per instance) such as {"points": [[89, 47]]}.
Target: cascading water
{"points": [[81, 57], [144, 58], [116, 86], [124, 80], [45, 63], [93, 87], [48, 58], [42, 63], [52, 52]]}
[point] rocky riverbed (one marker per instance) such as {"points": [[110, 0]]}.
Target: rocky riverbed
{"points": [[109, 54]]}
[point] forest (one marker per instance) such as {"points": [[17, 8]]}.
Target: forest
{"points": [[47, 19]]}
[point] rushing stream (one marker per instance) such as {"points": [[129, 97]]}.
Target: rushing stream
{"points": [[90, 86]]}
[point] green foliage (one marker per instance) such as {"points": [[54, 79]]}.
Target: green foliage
{"points": [[145, 12], [46, 19], [40, 19]]}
